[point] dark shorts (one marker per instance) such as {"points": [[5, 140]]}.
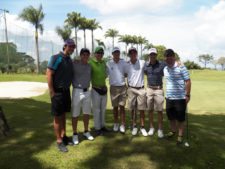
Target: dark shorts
{"points": [[175, 109], [61, 103]]}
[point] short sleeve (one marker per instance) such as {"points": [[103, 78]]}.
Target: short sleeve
{"points": [[185, 73], [54, 62]]}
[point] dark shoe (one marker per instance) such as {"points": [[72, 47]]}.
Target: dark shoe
{"points": [[62, 147], [169, 135], [67, 141], [104, 129], [179, 140], [99, 132]]}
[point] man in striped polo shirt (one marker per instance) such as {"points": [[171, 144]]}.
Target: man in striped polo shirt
{"points": [[178, 88]]}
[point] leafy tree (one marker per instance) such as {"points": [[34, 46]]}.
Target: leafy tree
{"points": [[141, 40], [84, 25], [221, 61], [64, 32], [73, 21], [191, 65], [100, 43], [112, 33], [34, 16], [205, 59], [127, 39]]}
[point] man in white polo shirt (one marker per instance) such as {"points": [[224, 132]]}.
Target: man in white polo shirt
{"points": [[136, 92], [116, 72]]}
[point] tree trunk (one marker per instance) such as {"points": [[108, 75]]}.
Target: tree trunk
{"points": [[141, 50], [37, 50], [75, 29], [112, 42], [92, 40], [126, 52], [84, 38]]}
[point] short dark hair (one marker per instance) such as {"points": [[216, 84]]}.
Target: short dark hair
{"points": [[169, 53], [84, 50]]}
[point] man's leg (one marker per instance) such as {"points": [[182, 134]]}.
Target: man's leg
{"points": [[181, 128], [173, 126], [122, 115], [74, 124], [102, 109], [115, 114], [96, 109], [142, 118], [86, 122], [160, 120], [57, 123], [151, 117], [63, 129]]}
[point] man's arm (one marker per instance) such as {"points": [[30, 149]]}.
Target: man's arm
{"points": [[49, 74], [188, 90]]}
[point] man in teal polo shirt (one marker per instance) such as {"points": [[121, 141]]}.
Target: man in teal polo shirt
{"points": [[99, 90]]}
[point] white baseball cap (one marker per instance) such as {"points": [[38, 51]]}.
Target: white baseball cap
{"points": [[115, 49], [152, 50]]}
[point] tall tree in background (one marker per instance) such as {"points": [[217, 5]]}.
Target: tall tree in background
{"points": [[100, 43], [93, 26], [205, 59], [34, 16], [73, 20], [112, 33], [127, 39], [221, 61], [64, 32], [141, 41], [84, 25]]}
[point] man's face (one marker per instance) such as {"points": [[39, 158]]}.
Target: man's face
{"points": [[170, 60], [84, 57], [116, 55], [70, 49], [152, 56], [99, 55], [133, 55]]}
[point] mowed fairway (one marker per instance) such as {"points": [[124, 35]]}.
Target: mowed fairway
{"points": [[31, 143]]}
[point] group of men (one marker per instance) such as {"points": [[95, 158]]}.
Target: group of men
{"points": [[126, 80]]}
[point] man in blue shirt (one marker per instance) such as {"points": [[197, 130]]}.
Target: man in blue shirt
{"points": [[155, 96], [59, 75], [178, 88]]}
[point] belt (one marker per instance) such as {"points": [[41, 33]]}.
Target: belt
{"points": [[155, 87], [84, 89], [61, 89], [136, 87]]}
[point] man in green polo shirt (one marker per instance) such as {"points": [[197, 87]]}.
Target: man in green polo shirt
{"points": [[99, 90]]}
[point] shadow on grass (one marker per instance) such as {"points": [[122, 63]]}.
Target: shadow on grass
{"points": [[206, 151], [30, 123]]}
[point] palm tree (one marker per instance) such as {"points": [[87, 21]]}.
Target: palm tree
{"points": [[112, 33], [84, 25], [93, 26], [141, 41], [73, 20], [64, 32], [127, 39], [100, 43], [34, 16], [148, 46]]}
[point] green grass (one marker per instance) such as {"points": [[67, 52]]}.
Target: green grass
{"points": [[31, 143]]}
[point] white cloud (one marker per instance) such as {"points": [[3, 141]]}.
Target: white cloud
{"points": [[128, 6]]}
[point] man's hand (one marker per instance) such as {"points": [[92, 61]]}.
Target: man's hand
{"points": [[52, 93], [188, 98]]}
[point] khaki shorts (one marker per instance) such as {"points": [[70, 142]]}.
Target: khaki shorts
{"points": [[136, 98], [118, 95], [155, 99]]}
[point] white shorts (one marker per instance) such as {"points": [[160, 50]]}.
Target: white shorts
{"points": [[81, 99]]}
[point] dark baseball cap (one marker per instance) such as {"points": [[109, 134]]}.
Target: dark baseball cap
{"points": [[84, 50], [69, 42], [169, 53], [132, 49]]}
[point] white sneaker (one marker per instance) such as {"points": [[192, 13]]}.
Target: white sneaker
{"points": [[75, 139], [144, 132], [160, 133], [88, 136], [122, 128], [134, 131], [151, 131], [115, 127]]}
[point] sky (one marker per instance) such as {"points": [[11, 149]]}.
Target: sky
{"points": [[190, 27]]}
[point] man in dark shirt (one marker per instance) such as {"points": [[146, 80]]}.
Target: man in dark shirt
{"points": [[59, 75], [155, 96]]}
